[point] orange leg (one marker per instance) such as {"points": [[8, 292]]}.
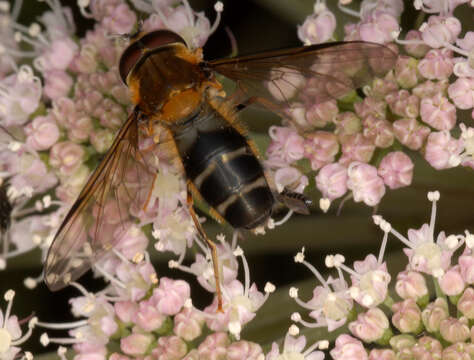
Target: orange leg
{"points": [[150, 192], [211, 245]]}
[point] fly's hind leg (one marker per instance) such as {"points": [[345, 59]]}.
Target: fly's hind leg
{"points": [[211, 245]]}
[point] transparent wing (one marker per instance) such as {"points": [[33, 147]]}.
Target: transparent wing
{"points": [[117, 188], [307, 75]]}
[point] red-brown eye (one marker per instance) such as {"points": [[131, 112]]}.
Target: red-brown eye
{"points": [[151, 41]]}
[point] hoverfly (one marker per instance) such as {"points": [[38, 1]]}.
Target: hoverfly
{"points": [[173, 86]]}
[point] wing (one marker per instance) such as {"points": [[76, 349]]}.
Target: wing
{"points": [[117, 188], [307, 75]]}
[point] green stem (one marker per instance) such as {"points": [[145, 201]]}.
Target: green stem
{"points": [[439, 292]]}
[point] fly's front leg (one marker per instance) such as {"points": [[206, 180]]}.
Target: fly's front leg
{"points": [[211, 245]]}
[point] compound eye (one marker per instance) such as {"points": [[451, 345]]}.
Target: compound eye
{"points": [[148, 42], [159, 38], [129, 58]]}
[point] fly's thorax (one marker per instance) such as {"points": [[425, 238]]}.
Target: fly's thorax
{"points": [[166, 82]]}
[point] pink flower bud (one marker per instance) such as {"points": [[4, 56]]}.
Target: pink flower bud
{"points": [[378, 27], [455, 330], [188, 324], [111, 114], [286, 146], [437, 64], [434, 313], [403, 104], [462, 93], [148, 317], [371, 106], [169, 348], [378, 131], [120, 20], [459, 351], [466, 303], [382, 354], [170, 295], [407, 316], [365, 183], [321, 114], [411, 285], [42, 133], [357, 147], [401, 342], [214, 346], [125, 310], [320, 148], [101, 140], [244, 350], [59, 54], [317, 28], [396, 170], [416, 50], [370, 326], [452, 282], [440, 147], [438, 112], [66, 156], [440, 30], [58, 83], [332, 181], [347, 123], [381, 87], [466, 266], [136, 344], [290, 178], [410, 133], [348, 348], [430, 88], [427, 348], [406, 72]]}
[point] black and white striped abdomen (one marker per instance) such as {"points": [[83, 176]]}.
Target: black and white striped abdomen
{"points": [[220, 163]]}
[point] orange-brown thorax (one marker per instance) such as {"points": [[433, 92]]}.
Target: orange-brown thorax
{"points": [[167, 84]]}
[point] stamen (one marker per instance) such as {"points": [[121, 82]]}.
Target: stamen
{"points": [[63, 326], [189, 12], [45, 340], [316, 273], [62, 352], [382, 248], [434, 197], [348, 11], [239, 252], [110, 277], [83, 4], [9, 295], [218, 7], [293, 330], [313, 347], [31, 325], [81, 288]]}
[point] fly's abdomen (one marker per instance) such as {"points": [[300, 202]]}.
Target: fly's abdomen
{"points": [[225, 171]]}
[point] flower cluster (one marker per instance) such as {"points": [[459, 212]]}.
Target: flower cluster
{"points": [[141, 315], [421, 324], [10, 332], [54, 134], [360, 146]]}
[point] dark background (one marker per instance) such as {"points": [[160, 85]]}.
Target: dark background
{"points": [[262, 25]]}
